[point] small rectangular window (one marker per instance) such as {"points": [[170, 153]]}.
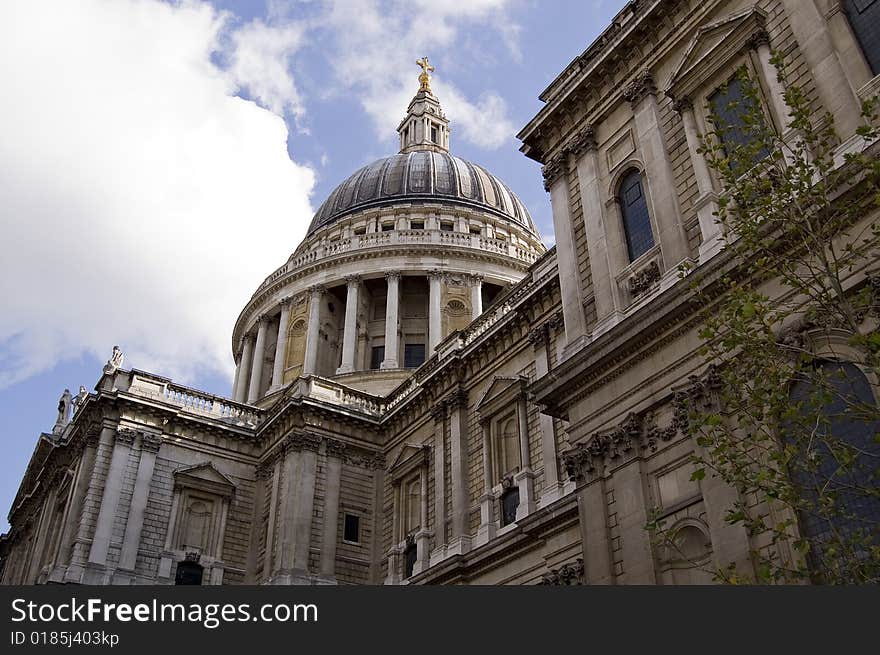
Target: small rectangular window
{"points": [[360, 230], [446, 226], [434, 135], [509, 503], [351, 530], [476, 231], [417, 225], [413, 355], [387, 227], [377, 355]]}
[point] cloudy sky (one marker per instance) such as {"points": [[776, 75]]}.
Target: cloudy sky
{"points": [[159, 159]]}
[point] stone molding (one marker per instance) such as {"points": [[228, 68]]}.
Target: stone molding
{"points": [[569, 574]]}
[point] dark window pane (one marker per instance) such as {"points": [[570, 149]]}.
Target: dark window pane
{"points": [[434, 134], [446, 226], [864, 17], [636, 220], [377, 355], [409, 559], [352, 528], [837, 402], [730, 107], [413, 355], [387, 227], [417, 225], [188, 573], [509, 503]]}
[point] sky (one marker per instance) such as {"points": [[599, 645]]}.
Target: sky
{"points": [[159, 159]]}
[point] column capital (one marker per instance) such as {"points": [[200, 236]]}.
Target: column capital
{"points": [[151, 442], [681, 105], [475, 279], [351, 280], [247, 336], [458, 398], [582, 142], [393, 274], [126, 436], [262, 318], [302, 441], [555, 168], [317, 290], [335, 448], [438, 412], [435, 273], [556, 321], [640, 88], [538, 337], [287, 301], [758, 38]]}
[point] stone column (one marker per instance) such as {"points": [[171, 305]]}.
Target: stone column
{"points": [[476, 295], [487, 527], [131, 540], [349, 335], [73, 518], [439, 415], [760, 43], [641, 94], [300, 472], [434, 317], [313, 331], [459, 542], [247, 356], [593, 512], [259, 358], [237, 379], [540, 339], [525, 477], [608, 314], [632, 515], [423, 536], [706, 203], [335, 452], [392, 312], [394, 568], [110, 499], [280, 346], [814, 41], [576, 337]]}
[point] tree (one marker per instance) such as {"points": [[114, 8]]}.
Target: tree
{"points": [[792, 330]]}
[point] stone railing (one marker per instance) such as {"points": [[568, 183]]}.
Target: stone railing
{"points": [[340, 395], [193, 401], [402, 237]]}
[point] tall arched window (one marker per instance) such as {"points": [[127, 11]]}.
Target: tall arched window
{"points": [[837, 457], [864, 17], [636, 219]]}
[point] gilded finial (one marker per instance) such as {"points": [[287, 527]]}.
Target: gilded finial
{"points": [[424, 77]]}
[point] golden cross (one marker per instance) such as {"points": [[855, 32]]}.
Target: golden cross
{"points": [[424, 78]]}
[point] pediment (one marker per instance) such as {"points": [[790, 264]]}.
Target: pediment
{"points": [[410, 457], [204, 476], [502, 389], [712, 47]]}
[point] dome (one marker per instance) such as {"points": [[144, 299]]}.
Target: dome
{"points": [[422, 176]]}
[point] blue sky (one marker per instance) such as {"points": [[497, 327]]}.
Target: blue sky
{"points": [[159, 159]]}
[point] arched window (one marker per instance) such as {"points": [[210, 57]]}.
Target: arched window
{"points": [[636, 219], [864, 17], [836, 458]]}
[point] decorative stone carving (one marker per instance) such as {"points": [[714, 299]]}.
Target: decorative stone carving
{"points": [[302, 441], [644, 279], [458, 398], [583, 141], [553, 170], [115, 361], [365, 460], [64, 405], [569, 574], [317, 290], [126, 436], [335, 448], [392, 274], [80, 399], [352, 279], [759, 38], [556, 322], [151, 442], [438, 411], [682, 104], [641, 87], [538, 337]]}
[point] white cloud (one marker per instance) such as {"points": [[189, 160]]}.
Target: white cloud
{"points": [[260, 63], [142, 202], [375, 44]]}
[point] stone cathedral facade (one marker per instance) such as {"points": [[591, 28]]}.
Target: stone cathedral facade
{"points": [[424, 394]]}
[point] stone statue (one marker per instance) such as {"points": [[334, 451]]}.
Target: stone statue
{"points": [[80, 399], [114, 362], [64, 404]]}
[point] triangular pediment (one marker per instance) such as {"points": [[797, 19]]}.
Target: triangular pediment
{"points": [[712, 46], [501, 387], [205, 475]]}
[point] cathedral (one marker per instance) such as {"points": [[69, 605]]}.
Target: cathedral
{"points": [[423, 393]]}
